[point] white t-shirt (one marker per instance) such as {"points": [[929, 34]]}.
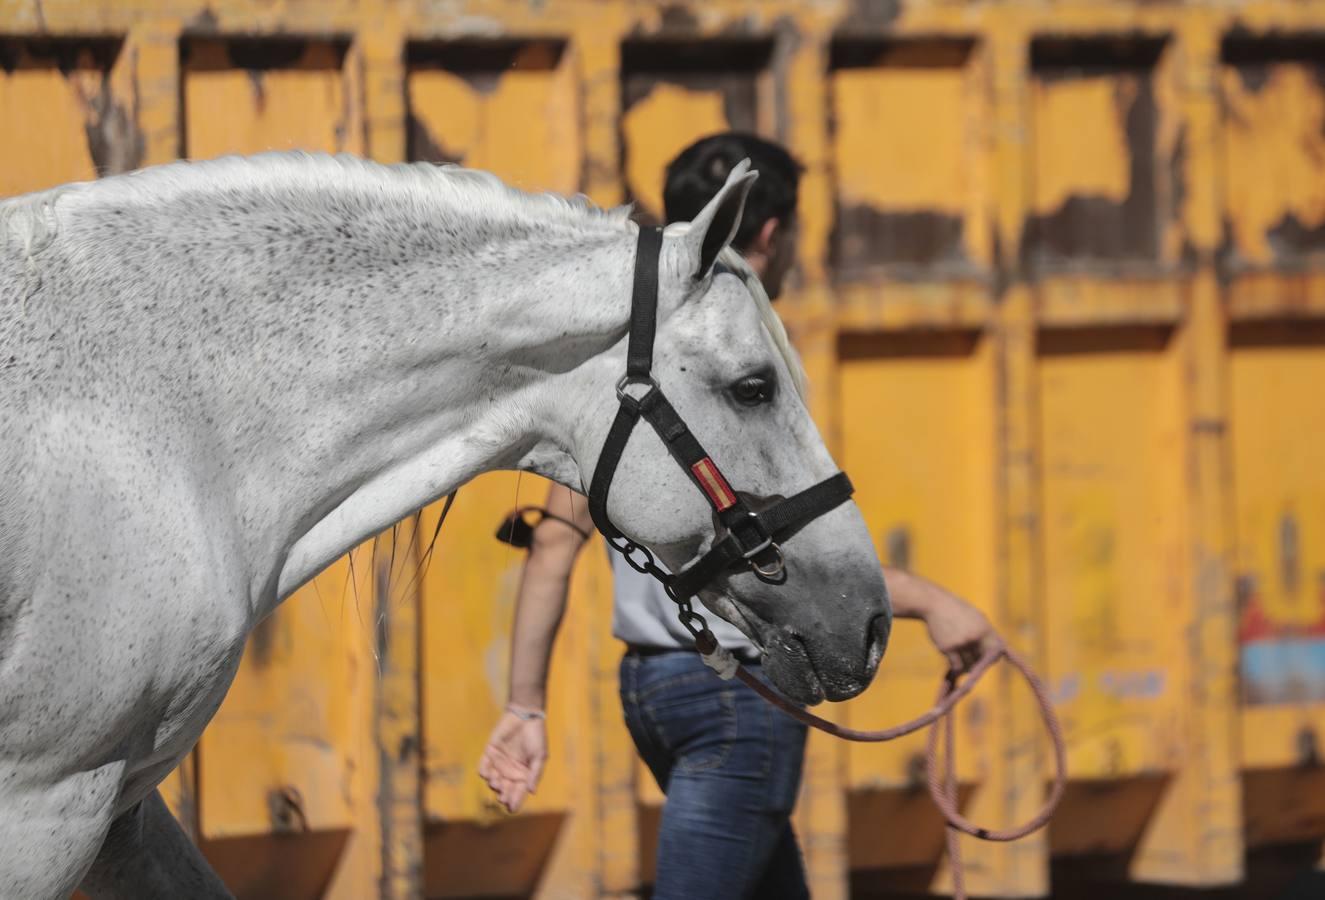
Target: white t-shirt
{"points": [[644, 615]]}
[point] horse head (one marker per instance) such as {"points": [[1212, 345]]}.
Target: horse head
{"points": [[800, 578]]}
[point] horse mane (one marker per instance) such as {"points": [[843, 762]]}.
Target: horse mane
{"points": [[475, 194], [32, 222]]}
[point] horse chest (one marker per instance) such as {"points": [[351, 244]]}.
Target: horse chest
{"points": [[191, 690]]}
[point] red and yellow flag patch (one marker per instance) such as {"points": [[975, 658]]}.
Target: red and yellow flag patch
{"points": [[711, 480]]}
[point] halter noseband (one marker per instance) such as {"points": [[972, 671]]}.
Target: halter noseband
{"points": [[752, 537]]}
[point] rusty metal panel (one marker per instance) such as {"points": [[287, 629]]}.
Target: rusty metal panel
{"points": [[1279, 490], [1113, 552], [1273, 93], [910, 157], [1021, 868], [67, 111], [1106, 154], [924, 474], [1114, 574], [276, 94], [674, 93], [485, 105]]}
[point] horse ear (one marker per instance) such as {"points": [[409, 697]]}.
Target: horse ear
{"points": [[716, 224]]}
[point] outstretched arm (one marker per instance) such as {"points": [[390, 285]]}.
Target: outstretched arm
{"points": [[959, 630], [513, 760]]}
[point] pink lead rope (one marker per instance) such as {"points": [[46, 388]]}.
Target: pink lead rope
{"points": [[942, 785]]}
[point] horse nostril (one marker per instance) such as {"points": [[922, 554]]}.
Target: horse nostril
{"points": [[877, 638], [881, 626]]}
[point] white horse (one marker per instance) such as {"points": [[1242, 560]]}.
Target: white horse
{"points": [[219, 377]]}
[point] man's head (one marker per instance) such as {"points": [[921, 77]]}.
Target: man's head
{"points": [[767, 236]]}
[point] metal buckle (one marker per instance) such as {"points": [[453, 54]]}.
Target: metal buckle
{"points": [[626, 381], [751, 554], [764, 545], [777, 568]]}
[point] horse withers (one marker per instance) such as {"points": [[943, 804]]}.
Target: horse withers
{"points": [[219, 377]]}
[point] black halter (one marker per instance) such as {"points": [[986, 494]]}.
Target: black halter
{"points": [[752, 537]]}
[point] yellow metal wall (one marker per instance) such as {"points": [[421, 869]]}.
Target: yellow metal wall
{"points": [[1062, 298]]}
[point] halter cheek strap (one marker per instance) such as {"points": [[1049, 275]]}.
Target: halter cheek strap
{"points": [[752, 538]]}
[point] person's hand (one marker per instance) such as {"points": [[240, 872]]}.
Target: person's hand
{"points": [[959, 631], [513, 760]]}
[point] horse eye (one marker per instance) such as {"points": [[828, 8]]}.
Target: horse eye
{"points": [[753, 390]]}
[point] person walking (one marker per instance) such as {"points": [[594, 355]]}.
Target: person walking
{"points": [[728, 762]]}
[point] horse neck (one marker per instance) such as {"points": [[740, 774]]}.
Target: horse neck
{"points": [[485, 386], [374, 357]]}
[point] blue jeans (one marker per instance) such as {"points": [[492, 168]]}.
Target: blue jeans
{"points": [[730, 765]]}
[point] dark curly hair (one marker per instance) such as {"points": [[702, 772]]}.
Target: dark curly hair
{"points": [[702, 168]]}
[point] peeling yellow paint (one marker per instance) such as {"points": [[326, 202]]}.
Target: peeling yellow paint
{"points": [[497, 130], [924, 484], [296, 108], [922, 161], [661, 126], [1081, 146], [1170, 142], [1274, 155], [1112, 550], [43, 115], [1280, 484]]}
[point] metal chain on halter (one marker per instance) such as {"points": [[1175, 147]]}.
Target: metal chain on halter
{"points": [[694, 622], [942, 787]]}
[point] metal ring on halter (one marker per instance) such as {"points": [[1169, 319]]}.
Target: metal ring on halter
{"points": [[763, 545], [753, 518], [628, 553], [775, 570], [626, 381]]}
